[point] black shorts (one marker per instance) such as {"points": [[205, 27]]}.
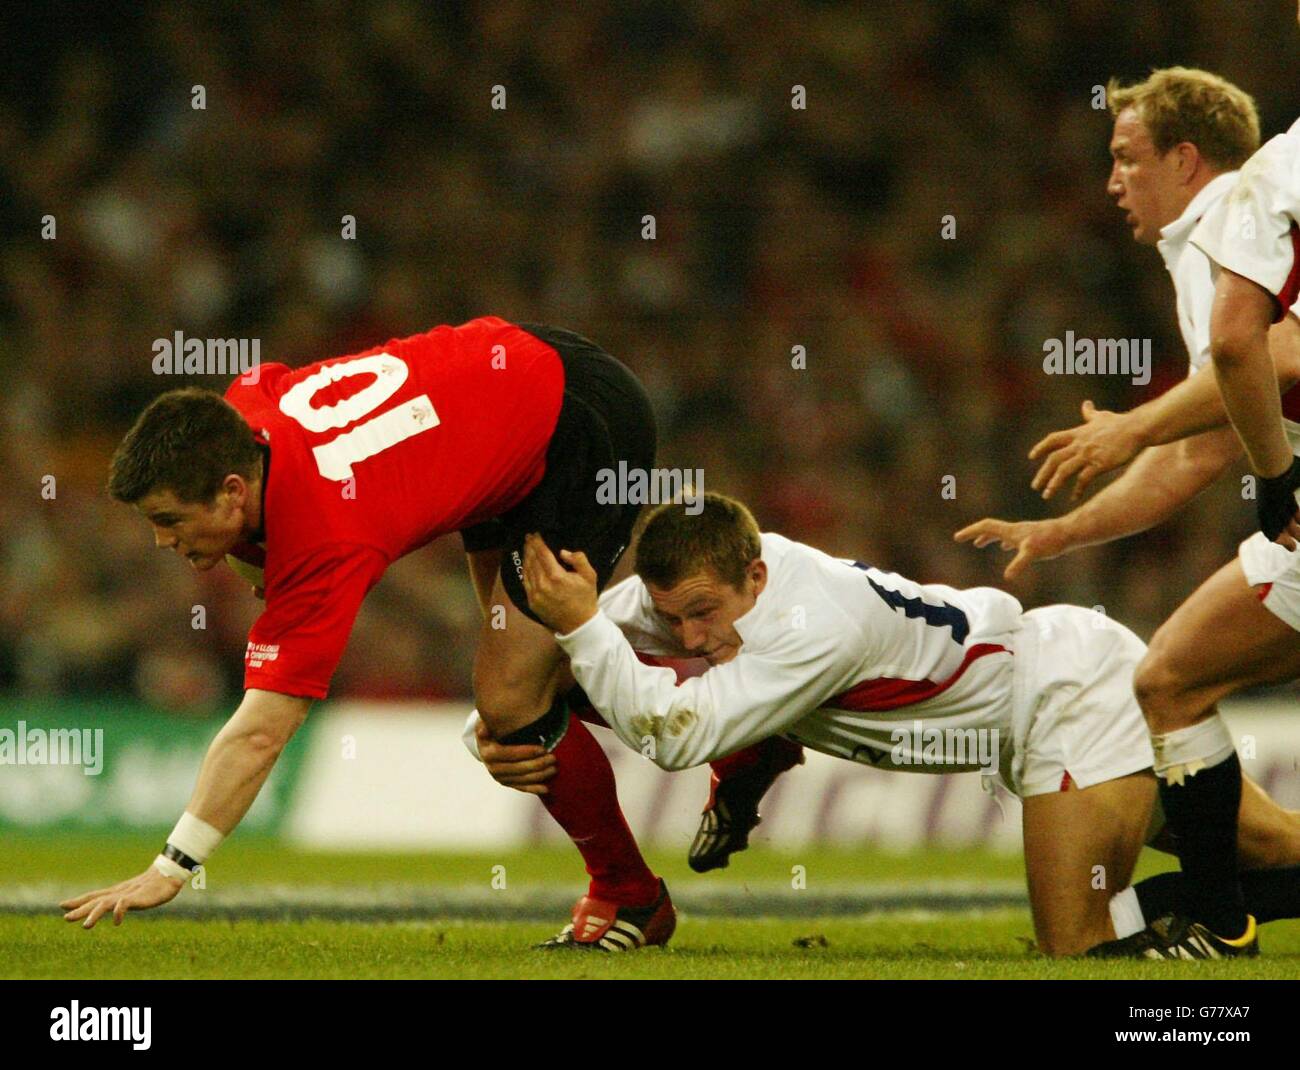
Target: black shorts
{"points": [[605, 417]]}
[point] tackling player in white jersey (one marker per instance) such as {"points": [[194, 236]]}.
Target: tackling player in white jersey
{"points": [[840, 656], [1170, 145]]}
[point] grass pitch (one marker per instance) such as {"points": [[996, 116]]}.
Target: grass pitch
{"points": [[272, 913]]}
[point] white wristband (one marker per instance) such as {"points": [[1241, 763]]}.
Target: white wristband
{"points": [[195, 837], [168, 868]]}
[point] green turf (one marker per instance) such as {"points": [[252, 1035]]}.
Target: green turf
{"points": [[884, 946], [26, 859], [992, 944]]}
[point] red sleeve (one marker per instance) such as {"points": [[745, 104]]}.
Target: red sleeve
{"points": [[295, 645]]}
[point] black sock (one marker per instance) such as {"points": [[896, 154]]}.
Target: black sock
{"points": [[1269, 894], [1202, 812], [546, 731], [1161, 894]]}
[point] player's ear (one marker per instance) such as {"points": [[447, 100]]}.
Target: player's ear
{"points": [[1187, 156], [757, 572], [234, 487]]}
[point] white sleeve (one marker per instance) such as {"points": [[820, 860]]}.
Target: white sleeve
{"points": [[469, 738], [628, 605], [759, 693], [1198, 295]]}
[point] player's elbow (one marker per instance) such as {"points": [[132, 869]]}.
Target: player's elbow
{"points": [[1239, 323], [266, 722], [265, 743], [1231, 344], [679, 753]]}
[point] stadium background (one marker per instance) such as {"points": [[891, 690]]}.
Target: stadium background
{"points": [[776, 227]]}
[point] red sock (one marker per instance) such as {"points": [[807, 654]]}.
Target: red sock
{"points": [[583, 799], [760, 763], [775, 754]]}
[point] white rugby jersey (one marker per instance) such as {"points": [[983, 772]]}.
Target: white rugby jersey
{"points": [[1191, 270], [836, 655], [1255, 231]]}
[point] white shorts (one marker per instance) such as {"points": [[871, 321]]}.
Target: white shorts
{"points": [[1076, 718], [1275, 573], [1253, 230]]}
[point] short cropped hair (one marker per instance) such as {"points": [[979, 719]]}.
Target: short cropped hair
{"points": [[186, 441], [675, 545], [1179, 104]]}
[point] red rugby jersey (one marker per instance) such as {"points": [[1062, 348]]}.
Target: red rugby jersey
{"points": [[374, 455]]}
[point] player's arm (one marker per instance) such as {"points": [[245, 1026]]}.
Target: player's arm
{"points": [[729, 707], [1154, 487], [1108, 440], [1196, 404], [242, 755], [1239, 327], [1161, 481], [300, 636], [234, 769], [527, 767]]}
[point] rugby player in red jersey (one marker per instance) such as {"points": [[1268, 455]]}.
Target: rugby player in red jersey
{"points": [[314, 480]]}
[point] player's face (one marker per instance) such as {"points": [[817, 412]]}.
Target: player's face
{"points": [[202, 533], [1144, 184], [703, 609]]}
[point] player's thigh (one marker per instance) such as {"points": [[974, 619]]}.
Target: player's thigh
{"points": [[517, 667], [1217, 642], [484, 567], [1267, 834], [1080, 849]]}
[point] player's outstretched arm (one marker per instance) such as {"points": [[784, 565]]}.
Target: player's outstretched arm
{"points": [[1109, 440], [1155, 486], [233, 772]]}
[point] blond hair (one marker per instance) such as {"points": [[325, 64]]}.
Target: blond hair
{"points": [[1179, 104]]}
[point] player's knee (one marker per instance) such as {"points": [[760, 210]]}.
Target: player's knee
{"points": [[1157, 686], [509, 700], [1272, 843]]}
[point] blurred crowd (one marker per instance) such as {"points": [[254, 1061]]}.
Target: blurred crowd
{"points": [[776, 226]]}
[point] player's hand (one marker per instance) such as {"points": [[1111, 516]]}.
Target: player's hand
{"points": [[1104, 441], [1033, 540], [525, 768], [1275, 506], [563, 597], [149, 889]]}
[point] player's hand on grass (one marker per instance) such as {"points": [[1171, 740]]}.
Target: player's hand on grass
{"points": [[149, 889], [563, 597], [525, 768], [1033, 540], [1104, 441]]}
